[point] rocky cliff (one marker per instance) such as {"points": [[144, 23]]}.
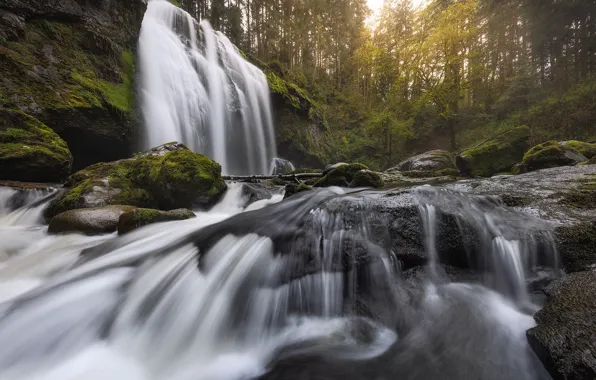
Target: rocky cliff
{"points": [[70, 64]]}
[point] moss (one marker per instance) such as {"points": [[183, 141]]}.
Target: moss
{"points": [[449, 172], [141, 217], [549, 154], [177, 179], [184, 175], [30, 151], [584, 197], [587, 149], [577, 246], [367, 178], [496, 155]]}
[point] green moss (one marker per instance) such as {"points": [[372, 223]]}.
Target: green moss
{"points": [[583, 197], [431, 173], [587, 149], [30, 151], [174, 2], [549, 154], [72, 77], [496, 155]]}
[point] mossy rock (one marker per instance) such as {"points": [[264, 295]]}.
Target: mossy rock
{"points": [[430, 161], [584, 148], [367, 178], [496, 155], [140, 217], [551, 154], [341, 175], [163, 179], [90, 221], [30, 151], [292, 189]]}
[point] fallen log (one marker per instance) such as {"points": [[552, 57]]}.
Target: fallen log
{"points": [[285, 177]]}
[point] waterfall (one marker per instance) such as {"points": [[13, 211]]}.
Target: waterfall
{"points": [[197, 89]]}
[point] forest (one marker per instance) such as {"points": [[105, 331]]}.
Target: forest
{"points": [[444, 74]]}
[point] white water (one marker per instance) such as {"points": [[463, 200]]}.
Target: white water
{"points": [[197, 89], [143, 307]]}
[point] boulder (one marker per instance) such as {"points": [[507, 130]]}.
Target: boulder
{"points": [[140, 217], [91, 221], [367, 178], [292, 189], [279, 166], [564, 338], [253, 192], [428, 162], [584, 148], [552, 154], [496, 155], [30, 151], [168, 180], [340, 175]]}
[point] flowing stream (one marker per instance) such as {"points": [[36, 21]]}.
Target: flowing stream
{"points": [[301, 289], [197, 89]]}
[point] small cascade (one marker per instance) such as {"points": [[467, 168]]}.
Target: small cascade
{"points": [[196, 88], [508, 246], [23, 207]]}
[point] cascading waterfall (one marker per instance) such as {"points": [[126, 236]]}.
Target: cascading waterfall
{"points": [[197, 89], [296, 289]]}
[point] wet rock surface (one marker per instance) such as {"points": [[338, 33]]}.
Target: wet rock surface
{"points": [[140, 217], [565, 336], [91, 221], [428, 161]]}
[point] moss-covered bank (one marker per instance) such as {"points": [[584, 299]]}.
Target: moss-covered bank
{"points": [[30, 151], [72, 67]]}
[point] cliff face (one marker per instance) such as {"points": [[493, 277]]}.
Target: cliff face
{"points": [[70, 64]]}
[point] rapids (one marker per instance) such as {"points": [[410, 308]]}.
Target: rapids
{"points": [[197, 89], [307, 288]]}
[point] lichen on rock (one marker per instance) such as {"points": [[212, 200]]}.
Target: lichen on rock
{"points": [[30, 151]]}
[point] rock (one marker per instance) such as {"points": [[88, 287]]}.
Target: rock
{"points": [[330, 167], [577, 246], [429, 161], [176, 179], [279, 166], [91, 221], [519, 168], [140, 217], [292, 189], [552, 154], [30, 151], [367, 178], [496, 155], [253, 192], [565, 337], [340, 175], [586, 149]]}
